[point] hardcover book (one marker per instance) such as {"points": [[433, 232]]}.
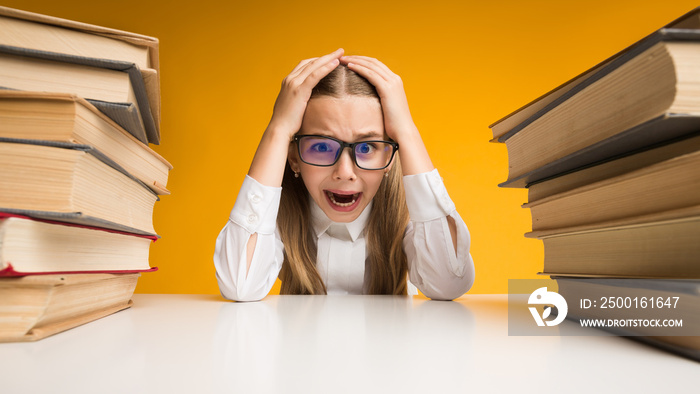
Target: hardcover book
{"points": [[29, 246], [67, 118], [47, 33], [43, 33], [660, 245], [644, 95], [524, 115], [117, 88], [617, 166], [667, 185], [37, 306], [65, 180], [680, 299]]}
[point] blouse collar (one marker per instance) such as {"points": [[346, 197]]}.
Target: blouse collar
{"points": [[346, 231]]}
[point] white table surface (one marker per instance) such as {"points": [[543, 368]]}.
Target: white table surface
{"points": [[330, 344]]}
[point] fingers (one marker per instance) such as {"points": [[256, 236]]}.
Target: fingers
{"points": [[376, 79], [315, 69], [301, 66], [305, 62], [290, 105], [367, 63]]}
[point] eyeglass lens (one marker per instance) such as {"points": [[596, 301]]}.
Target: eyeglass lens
{"points": [[325, 152]]}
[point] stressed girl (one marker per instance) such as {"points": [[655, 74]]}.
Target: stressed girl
{"points": [[328, 206]]}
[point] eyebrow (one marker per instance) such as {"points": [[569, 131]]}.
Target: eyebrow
{"points": [[369, 134], [375, 135]]}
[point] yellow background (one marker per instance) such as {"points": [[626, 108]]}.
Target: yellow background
{"points": [[465, 64]]}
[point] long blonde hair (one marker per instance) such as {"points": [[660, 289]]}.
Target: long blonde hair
{"points": [[385, 227]]}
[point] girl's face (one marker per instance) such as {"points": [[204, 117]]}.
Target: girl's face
{"points": [[342, 190]]}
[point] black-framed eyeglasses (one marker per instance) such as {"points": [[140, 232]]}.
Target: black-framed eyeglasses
{"points": [[324, 151]]}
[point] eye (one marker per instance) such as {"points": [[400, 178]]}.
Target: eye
{"points": [[321, 147], [365, 148]]}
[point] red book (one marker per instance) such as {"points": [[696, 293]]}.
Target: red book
{"points": [[30, 246]]}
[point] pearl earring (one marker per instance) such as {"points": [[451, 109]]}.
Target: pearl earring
{"points": [[296, 174], [386, 174]]}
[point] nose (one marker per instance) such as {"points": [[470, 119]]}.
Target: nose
{"points": [[345, 167]]}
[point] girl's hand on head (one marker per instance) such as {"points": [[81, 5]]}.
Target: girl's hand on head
{"points": [[271, 156], [296, 90], [398, 122]]}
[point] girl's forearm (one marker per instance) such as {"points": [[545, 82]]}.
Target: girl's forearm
{"points": [[270, 158], [414, 156]]}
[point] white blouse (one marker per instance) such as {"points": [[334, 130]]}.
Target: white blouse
{"points": [[341, 260]]}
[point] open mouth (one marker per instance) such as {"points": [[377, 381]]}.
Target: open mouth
{"points": [[342, 200]]}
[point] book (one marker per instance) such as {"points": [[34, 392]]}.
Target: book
{"points": [[644, 96], [65, 180], [79, 105], [31, 246], [614, 167], [37, 306], [68, 118], [683, 298], [667, 185], [45, 33], [116, 88], [610, 159], [656, 85], [659, 245], [509, 124]]}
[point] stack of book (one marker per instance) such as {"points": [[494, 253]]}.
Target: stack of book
{"points": [[611, 160], [79, 105]]}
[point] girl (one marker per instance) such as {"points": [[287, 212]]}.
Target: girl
{"points": [[331, 220]]}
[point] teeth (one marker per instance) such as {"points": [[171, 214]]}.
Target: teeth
{"points": [[343, 204]]}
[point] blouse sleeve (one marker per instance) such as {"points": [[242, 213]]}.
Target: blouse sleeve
{"points": [[433, 265], [255, 211]]}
